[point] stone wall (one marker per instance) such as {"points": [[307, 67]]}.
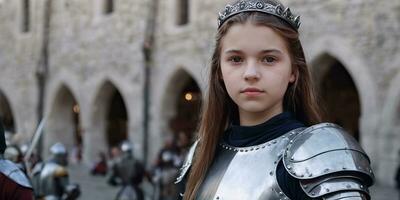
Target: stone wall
{"points": [[93, 53]]}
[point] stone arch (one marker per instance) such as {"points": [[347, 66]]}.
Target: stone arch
{"points": [[391, 107], [7, 115], [342, 50], [181, 101], [109, 112], [389, 138], [63, 120], [338, 93]]}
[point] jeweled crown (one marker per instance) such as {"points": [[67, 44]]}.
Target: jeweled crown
{"points": [[259, 6]]}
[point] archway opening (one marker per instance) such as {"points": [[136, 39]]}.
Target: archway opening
{"points": [[117, 120], [6, 116], [340, 96], [64, 124], [187, 108]]}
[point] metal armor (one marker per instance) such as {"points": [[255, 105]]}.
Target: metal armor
{"points": [[128, 172], [53, 180], [249, 172], [50, 179], [13, 172], [329, 163]]}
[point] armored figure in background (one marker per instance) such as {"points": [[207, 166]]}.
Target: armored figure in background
{"points": [[50, 179], [13, 182], [13, 153], [128, 172]]}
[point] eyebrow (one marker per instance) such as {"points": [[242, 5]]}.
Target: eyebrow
{"points": [[263, 51]]}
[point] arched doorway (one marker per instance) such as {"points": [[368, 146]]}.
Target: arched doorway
{"points": [[117, 120], [109, 119], [64, 124], [6, 116], [185, 99], [339, 95]]}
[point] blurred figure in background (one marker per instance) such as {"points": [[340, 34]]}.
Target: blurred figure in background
{"points": [[51, 179], [129, 172], [100, 166], [13, 182], [14, 154], [166, 169]]}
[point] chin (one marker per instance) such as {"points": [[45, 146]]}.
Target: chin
{"points": [[253, 108]]}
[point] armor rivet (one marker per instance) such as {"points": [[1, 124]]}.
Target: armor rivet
{"points": [[274, 142], [246, 150], [370, 171], [326, 170], [217, 198], [344, 168], [271, 173], [269, 144], [310, 175], [251, 149], [289, 167], [361, 186], [285, 198], [241, 150], [257, 148], [305, 186], [291, 158], [327, 190], [302, 175], [275, 162], [348, 186], [281, 193], [313, 193]]}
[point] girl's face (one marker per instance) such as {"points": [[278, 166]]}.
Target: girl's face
{"points": [[256, 70]]}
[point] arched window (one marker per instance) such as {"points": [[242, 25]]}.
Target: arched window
{"points": [[108, 6], [25, 21], [182, 17]]}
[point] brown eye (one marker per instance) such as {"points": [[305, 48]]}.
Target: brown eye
{"points": [[235, 59], [269, 59]]}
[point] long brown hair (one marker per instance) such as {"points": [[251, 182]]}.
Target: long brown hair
{"points": [[219, 108]]}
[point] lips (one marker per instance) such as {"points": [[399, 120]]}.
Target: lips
{"points": [[251, 90]]}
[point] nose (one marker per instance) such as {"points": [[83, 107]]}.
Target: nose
{"points": [[251, 72]]}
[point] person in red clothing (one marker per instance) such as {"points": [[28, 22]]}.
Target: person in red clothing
{"points": [[14, 185]]}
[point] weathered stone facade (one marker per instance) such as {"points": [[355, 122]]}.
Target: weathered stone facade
{"points": [[93, 54]]}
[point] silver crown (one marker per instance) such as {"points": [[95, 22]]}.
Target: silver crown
{"points": [[259, 6]]}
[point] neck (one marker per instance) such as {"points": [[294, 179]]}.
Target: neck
{"points": [[255, 118]]}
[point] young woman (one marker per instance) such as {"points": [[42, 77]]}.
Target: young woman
{"points": [[260, 134]]}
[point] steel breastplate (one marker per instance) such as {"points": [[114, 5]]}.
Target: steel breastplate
{"points": [[48, 186], [246, 172]]}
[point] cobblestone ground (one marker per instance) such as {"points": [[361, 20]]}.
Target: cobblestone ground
{"points": [[96, 188]]}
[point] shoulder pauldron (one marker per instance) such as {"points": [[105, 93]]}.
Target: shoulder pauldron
{"points": [[188, 162], [328, 161]]}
